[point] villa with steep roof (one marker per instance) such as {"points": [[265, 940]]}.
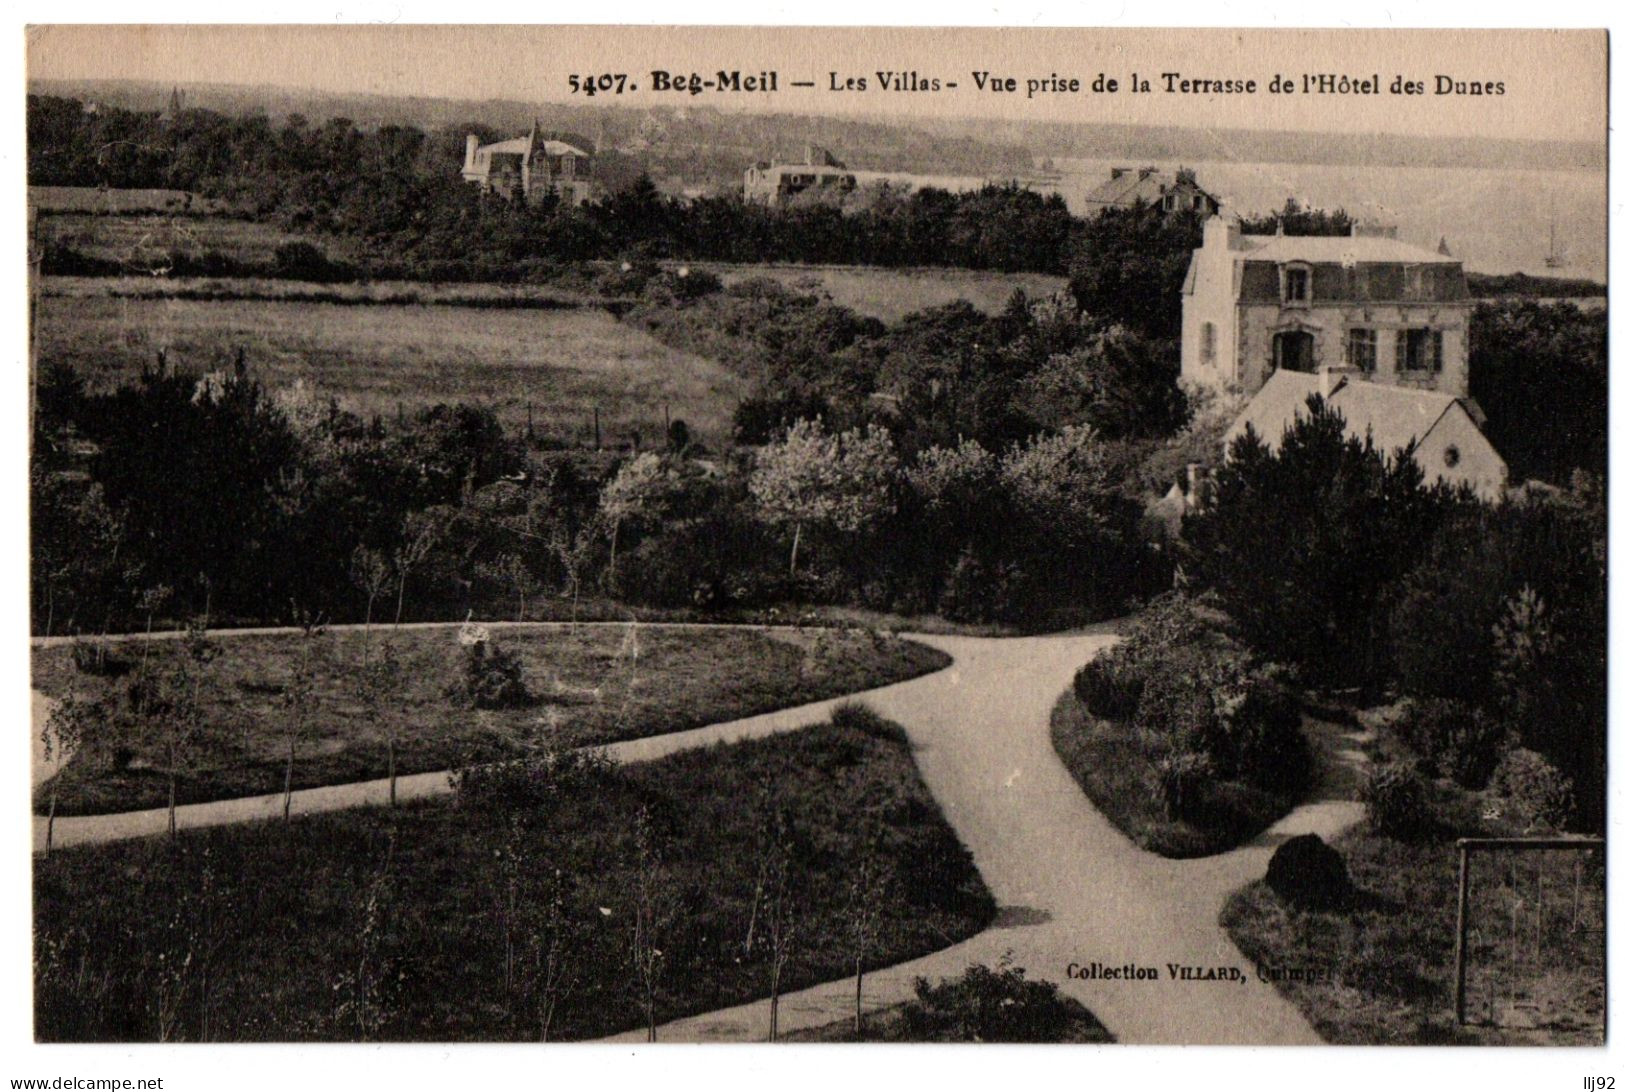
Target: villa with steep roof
{"points": [[1256, 304], [532, 166], [1129, 186]]}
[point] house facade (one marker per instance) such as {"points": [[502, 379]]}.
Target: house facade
{"points": [[776, 182], [1129, 186], [532, 166], [1446, 428], [1396, 313]]}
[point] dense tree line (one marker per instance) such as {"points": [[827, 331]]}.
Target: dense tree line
{"points": [[982, 466], [1341, 561], [400, 189]]}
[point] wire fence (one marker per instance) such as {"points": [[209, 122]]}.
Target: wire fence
{"points": [[1530, 938]]}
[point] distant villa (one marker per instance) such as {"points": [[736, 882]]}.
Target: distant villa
{"points": [[532, 166]]}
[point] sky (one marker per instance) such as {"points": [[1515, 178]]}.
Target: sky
{"points": [[1553, 83]]}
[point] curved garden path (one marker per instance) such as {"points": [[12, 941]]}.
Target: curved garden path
{"points": [[1071, 889]]}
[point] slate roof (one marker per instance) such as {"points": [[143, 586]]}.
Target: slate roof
{"points": [[1338, 248], [1394, 415]]}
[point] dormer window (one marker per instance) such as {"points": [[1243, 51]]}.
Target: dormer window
{"points": [[1295, 286]]}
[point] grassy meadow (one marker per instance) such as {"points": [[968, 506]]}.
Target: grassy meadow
{"points": [[889, 294], [595, 686], [144, 240], [433, 921], [376, 359]]}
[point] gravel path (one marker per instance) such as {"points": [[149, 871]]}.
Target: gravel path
{"points": [[1071, 889]]}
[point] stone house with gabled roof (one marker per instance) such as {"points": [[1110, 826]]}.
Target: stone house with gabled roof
{"points": [[1129, 186], [1396, 312], [532, 165]]}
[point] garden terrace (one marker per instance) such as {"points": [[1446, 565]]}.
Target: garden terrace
{"points": [[397, 924], [592, 686]]}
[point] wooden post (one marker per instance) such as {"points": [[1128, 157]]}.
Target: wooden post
{"points": [[597, 436], [1462, 881], [530, 422]]}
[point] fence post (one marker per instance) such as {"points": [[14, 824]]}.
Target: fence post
{"points": [[1461, 934]]}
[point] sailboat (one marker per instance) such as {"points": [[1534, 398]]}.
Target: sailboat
{"points": [[1554, 257]]}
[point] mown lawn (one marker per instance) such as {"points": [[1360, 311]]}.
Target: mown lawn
{"points": [[547, 366], [1113, 765], [381, 924], [595, 686], [1383, 971]]}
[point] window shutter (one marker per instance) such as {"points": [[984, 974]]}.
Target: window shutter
{"points": [[1438, 350]]}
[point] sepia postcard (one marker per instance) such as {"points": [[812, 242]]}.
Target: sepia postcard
{"points": [[723, 535]]}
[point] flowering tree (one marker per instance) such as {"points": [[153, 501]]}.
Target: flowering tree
{"points": [[369, 572], [299, 701], [380, 684], [73, 723], [639, 490], [814, 478]]}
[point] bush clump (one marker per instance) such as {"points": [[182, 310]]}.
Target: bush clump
{"points": [[1105, 690], [1452, 739], [97, 658], [1534, 793], [531, 782], [1398, 801], [492, 678], [1181, 780], [1307, 872], [989, 1005], [860, 717]]}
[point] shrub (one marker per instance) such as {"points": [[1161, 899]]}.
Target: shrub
{"points": [[983, 590], [1182, 778], [1260, 734], [1106, 689], [530, 782], [989, 1005], [97, 658], [492, 677], [1398, 800], [1453, 739], [859, 717], [1307, 872], [1536, 793]]}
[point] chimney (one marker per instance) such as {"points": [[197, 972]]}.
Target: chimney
{"points": [[1334, 377], [1221, 232], [1195, 486], [1375, 230], [1444, 248], [469, 148]]}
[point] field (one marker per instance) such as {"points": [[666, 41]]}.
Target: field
{"points": [[354, 293], [145, 242], [436, 921], [889, 294], [596, 686], [94, 199], [384, 358]]}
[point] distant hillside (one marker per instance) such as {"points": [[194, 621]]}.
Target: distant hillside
{"points": [[704, 144], [701, 144]]}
